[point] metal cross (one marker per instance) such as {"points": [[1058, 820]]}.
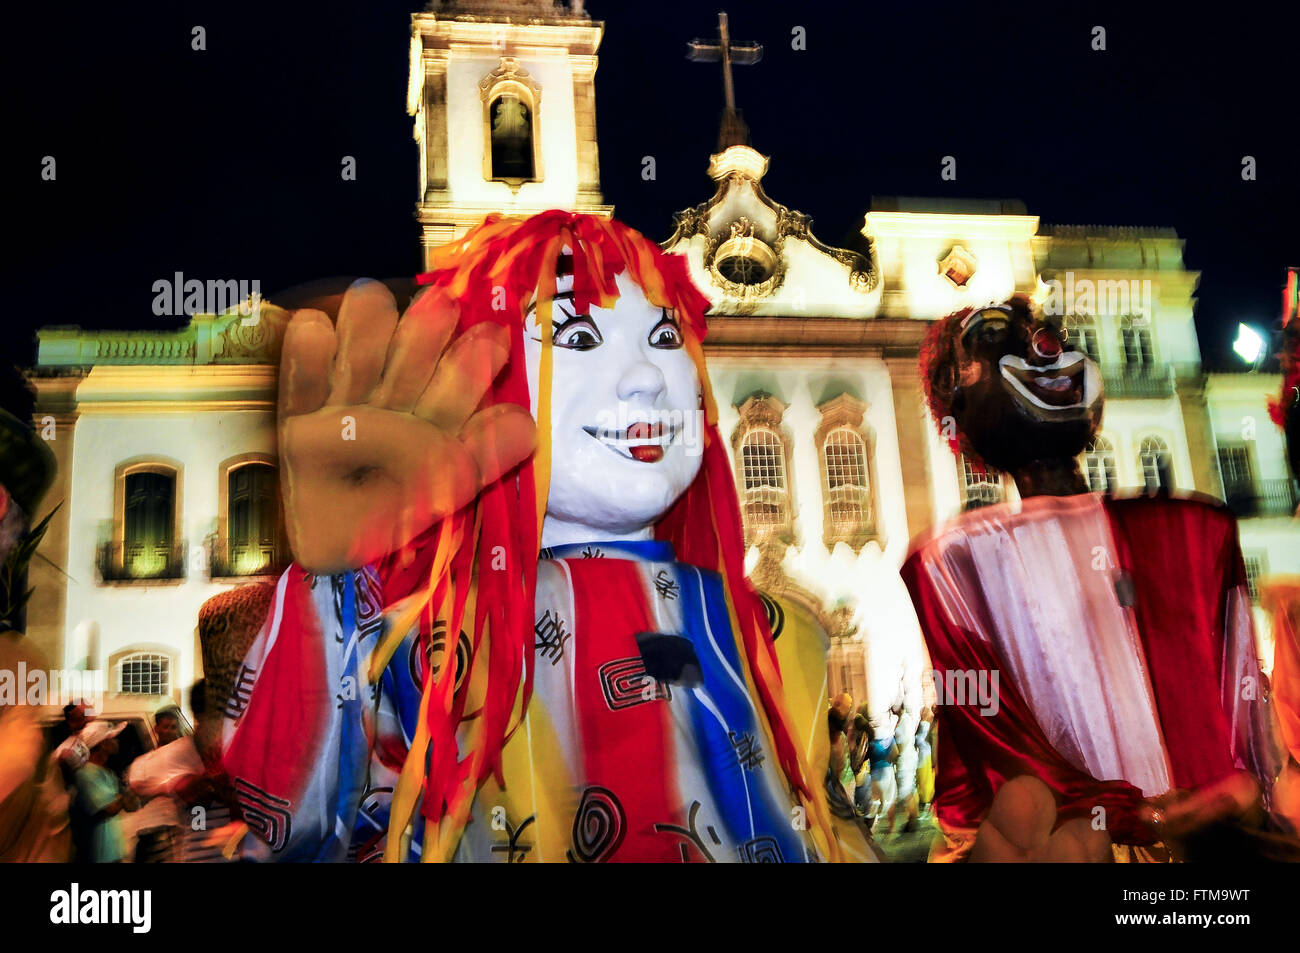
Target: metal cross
{"points": [[729, 52]]}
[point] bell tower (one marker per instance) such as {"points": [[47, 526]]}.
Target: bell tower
{"points": [[504, 98]]}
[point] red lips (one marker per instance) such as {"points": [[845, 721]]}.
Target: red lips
{"points": [[646, 453], [644, 431]]}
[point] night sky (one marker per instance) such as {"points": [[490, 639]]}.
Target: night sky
{"points": [[225, 163]]}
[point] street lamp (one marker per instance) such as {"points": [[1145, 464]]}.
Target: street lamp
{"points": [[1249, 344]]}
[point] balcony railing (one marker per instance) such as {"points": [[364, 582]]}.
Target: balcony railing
{"points": [[1262, 498], [1138, 380], [224, 565], [117, 563], [982, 494], [765, 511]]}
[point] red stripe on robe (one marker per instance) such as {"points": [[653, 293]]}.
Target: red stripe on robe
{"points": [[277, 743], [1184, 559], [628, 751]]}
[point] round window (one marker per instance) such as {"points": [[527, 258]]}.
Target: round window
{"points": [[744, 261]]}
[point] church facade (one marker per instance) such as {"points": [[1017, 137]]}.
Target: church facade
{"points": [[166, 441]]}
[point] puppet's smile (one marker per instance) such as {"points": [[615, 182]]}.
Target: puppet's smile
{"points": [[643, 441], [1065, 384]]}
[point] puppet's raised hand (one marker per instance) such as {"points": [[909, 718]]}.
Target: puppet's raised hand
{"points": [[379, 423], [1019, 829]]}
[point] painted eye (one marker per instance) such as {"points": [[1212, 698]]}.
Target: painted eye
{"points": [[992, 332], [666, 334], [577, 334]]}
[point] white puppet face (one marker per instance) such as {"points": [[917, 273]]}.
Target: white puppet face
{"points": [[626, 424]]}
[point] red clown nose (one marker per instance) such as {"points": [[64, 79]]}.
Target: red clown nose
{"points": [[1046, 344]]}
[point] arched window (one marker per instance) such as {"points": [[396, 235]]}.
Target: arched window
{"points": [[1099, 465], [146, 524], [254, 537], [762, 465], [1154, 464], [761, 450], [848, 508], [844, 455], [980, 487], [511, 128], [144, 673], [512, 137]]}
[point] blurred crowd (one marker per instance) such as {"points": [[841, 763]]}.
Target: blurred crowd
{"points": [[881, 771], [119, 791]]}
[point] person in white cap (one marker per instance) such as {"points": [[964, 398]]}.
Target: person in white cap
{"points": [[100, 794]]}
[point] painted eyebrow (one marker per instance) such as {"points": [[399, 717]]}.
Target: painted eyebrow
{"points": [[976, 321], [562, 296]]}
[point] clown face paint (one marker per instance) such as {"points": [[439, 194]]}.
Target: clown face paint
{"points": [[626, 422], [1023, 393]]}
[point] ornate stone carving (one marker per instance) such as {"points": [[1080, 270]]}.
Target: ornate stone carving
{"points": [[958, 266], [838, 622], [760, 410], [769, 577], [689, 223], [255, 342], [790, 222], [509, 72]]}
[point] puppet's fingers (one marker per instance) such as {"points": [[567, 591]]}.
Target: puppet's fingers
{"points": [[421, 337], [463, 376], [367, 318], [499, 438], [305, 363]]}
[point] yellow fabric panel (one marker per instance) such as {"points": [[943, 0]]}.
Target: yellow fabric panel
{"points": [[801, 647], [538, 785]]}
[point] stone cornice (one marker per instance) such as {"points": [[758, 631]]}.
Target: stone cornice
{"points": [[885, 337], [461, 215], [159, 388], [521, 34], [207, 339], [949, 225]]}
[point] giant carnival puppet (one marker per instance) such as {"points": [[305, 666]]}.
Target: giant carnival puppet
{"points": [[517, 627], [1130, 720], [1281, 595]]}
